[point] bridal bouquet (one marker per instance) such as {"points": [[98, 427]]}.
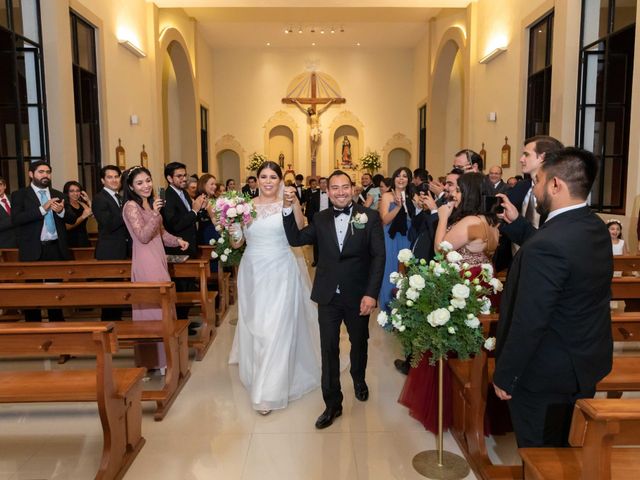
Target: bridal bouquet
{"points": [[437, 304], [255, 160], [230, 208]]}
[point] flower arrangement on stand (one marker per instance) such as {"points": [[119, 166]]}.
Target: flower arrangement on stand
{"points": [[230, 208], [436, 309], [371, 162], [255, 160]]}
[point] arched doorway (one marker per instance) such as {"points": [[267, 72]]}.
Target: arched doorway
{"points": [[445, 123], [228, 163], [180, 135], [398, 157], [281, 143]]}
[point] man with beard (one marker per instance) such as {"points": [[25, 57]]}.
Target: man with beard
{"points": [[39, 217], [554, 339]]}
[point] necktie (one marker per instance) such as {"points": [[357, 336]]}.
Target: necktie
{"points": [[118, 199], [531, 207], [49, 222], [7, 207], [345, 210]]}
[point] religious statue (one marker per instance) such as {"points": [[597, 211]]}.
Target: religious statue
{"points": [[314, 122], [346, 153], [281, 159]]}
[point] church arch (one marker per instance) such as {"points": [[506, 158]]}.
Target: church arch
{"points": [[398, 157], [179, 113], [345, 124], [230, 159], [281, 136], [399, 141]]}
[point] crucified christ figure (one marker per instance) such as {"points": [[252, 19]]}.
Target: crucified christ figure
{"points": [[314, 120]]}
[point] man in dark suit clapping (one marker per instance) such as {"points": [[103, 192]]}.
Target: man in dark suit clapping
{"points": [[554, 335], [39, 216]]}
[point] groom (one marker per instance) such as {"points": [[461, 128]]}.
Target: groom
{"points": [[348, 277]]}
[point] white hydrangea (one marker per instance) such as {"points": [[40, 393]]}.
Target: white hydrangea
{"points": [[416, 282], [405, 255], [438, 317], [472, 322], [412, 294], [445, 246], [490, 343], [458, 303], [382, 319], [454, 257], [460, 291]]}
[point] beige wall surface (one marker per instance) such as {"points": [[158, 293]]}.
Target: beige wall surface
{"points": [[250, 84]]}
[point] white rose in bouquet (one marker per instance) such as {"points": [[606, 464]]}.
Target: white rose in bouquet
{"points": [[472, 322], [221, 240], [214, 255], [487, 268], [227, 251], [458, 303], [232, 212], [405, 255], [416, 282], [412, 294], [454, 257], [460, 291], [496, 284], [490, 343], [240, 209], [382, 319], [438, 317], [223, 257], [445, 246], [485, 308], [394, 277], [438, 270]]}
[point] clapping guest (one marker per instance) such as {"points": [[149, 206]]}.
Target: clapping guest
{"points": [[141, 214], [7, 232], [77, 200], [396, 209], [373, 197], [207, 186]]}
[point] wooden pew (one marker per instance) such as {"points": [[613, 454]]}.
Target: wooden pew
{"points": [[472, 378], [626, 263], [78, 270], [116, 390], [169, 330], [597, 426]]}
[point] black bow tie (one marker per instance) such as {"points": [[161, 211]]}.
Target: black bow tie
{"points": [[345, 210]]}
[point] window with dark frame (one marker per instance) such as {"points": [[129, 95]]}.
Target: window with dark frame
{"points": [[604, 96], [23, 118], [539, 77], [204, 139], [422, 137], [85, 93]]}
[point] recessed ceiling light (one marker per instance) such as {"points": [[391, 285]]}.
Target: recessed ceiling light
{"points": [[321, 32], [268, 44], [286, 30], [313, 44], [358, 44], [333, 31], [299, 29]]}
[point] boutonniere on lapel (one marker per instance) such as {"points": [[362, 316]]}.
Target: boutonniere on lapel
{"points": [[358, 221]]}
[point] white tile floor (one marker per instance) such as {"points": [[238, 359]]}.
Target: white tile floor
{"points": [[211, 431]]}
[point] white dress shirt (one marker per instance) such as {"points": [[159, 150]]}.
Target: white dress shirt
{"points": [[46, 235], [182, 197], [324, 200], [560, 211]]}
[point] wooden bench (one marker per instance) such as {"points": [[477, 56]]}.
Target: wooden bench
{"points": [[597, 426], [471, 380], [78, 270], [116, 390], [170, 331], [626, 263]]}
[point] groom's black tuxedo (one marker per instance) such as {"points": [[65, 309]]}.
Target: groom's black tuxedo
{"points": [[356, 271], [554, 335]]}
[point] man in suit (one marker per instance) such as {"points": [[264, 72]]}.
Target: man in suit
{"points": [[347, 282], [251, 188], [7, 232], [40, 220], [317, 202], [521, 195], [300, 190], [495, 177], [554, 335], [367, 184], [179, 217], [113, 236], [468, 161]]}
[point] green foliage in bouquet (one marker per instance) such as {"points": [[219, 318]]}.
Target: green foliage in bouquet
{"points": [[437, 304], [255, 160], [224, 252]]}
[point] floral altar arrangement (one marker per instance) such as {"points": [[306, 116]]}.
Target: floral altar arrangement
{"points": [[437, 304], [255, 160], [230, 208], [371, 162]]}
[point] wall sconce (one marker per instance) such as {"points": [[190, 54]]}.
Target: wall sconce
{"points": [[132, 48], [493, 54]]}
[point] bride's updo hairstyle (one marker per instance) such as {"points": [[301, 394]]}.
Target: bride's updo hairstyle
{"points": [[271, 166], [128, 177]]}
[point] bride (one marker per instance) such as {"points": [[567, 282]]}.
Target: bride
{"points": [[277, 339]]}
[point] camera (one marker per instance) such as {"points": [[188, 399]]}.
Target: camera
{"points": [[492, 204]]}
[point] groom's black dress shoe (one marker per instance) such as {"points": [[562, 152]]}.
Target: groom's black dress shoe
{"points": [[328, 416], [362, 391]]}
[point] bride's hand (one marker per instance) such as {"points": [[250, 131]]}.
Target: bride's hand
{"points": [[236, 232], [290, 198]]}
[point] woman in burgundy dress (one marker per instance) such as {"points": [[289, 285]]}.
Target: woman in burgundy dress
{"points": [[141, 214], [474, 235]]}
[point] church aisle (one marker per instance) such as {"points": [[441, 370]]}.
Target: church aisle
{"points": [[211, 431]]}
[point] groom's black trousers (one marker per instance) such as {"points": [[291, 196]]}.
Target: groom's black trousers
{"points": [[330, 317]]}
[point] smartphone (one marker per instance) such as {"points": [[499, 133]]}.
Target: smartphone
{"points": [[493, 204], [161, 194]]}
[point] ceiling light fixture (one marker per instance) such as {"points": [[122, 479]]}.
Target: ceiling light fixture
{"points": [[299, 29], [268, 44], [332, 30], [313, 44]]}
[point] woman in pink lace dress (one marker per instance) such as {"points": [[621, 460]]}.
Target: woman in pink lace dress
{"points": [[141, 214], [474, 235]]}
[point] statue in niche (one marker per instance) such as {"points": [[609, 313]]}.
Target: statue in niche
{"points": [[281, 160], [346, 153]]}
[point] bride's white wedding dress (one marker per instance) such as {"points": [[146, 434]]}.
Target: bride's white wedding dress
{"points": [[276, 343]]}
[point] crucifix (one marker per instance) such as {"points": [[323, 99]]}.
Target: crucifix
{"points": [[313, 112]]}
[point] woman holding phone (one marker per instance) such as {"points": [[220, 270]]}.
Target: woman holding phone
{"points": [[77, 200]]}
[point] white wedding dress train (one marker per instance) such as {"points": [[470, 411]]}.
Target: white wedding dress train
{"points": [[277, 340]]}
